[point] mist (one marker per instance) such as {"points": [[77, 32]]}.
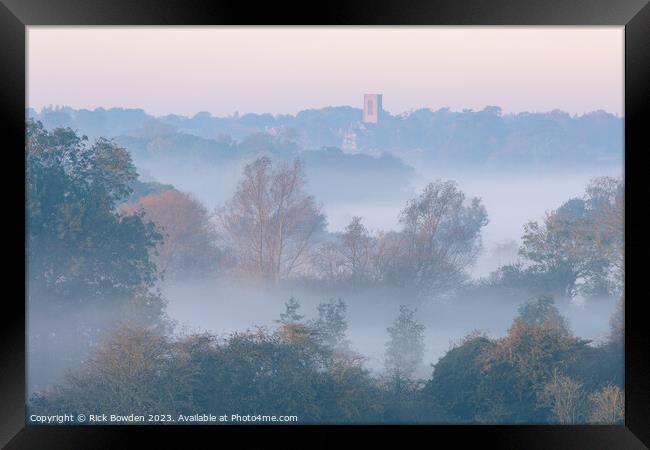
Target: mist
{"points": [[222, 306], [226, 307], [220, 235]]}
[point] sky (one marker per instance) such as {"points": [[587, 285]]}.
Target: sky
{"points": [[283, 70]]}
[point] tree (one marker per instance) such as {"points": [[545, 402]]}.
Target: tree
{"points": [[405, 349], [581, 243], [136, 370], [559, 246], [606, 198], [607, 405], [617, 323], [290, 314], [357, 247], [349, 257], [89, 266], [542, 311], [331, 325], [189, 238], [330, 262], [78, 246], [565, 397], [519, 365], [292, 329], [271, 221], [514, 281], [456, 384], [440, 238]]}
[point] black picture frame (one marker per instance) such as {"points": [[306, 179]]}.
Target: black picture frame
{"points": [[15, 15]]}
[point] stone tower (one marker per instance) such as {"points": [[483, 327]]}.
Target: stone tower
{"points": [[371, 108]]}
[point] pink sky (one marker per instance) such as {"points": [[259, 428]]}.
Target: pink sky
{"points": [[185, 70]]}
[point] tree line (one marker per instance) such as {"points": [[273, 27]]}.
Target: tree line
{"points": [[537, 373], [273, 230]]}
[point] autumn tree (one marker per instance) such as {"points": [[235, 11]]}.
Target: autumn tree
{"points": [[606, 199], [581, 243], [519, 366], [189, 238], [136, 370], [565, 397], [607, 405], [271, 222]]}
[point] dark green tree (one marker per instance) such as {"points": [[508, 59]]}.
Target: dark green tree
{"points": [[290, 314], [542, 310], [89, 267], [331, 325], [79, 249]]}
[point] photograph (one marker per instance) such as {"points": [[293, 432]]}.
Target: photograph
{"points": [[325, 225]]}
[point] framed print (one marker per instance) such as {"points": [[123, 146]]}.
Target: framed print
{"points": [[366, 217]]}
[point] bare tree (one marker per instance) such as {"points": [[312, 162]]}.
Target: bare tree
{"points": [[607, 405], [350, 256], [565, 397], [357, 247], [439, 240], [329, 262], [270, 220]]}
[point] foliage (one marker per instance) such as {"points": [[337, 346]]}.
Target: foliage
{"points": [[581, 243], [429, 256], [189, 245], [461, 366], [330, 325], [94, 262], [607, 405], [439, 240], [78, 246], [405, 349], [139, 371], [486, 139], [528, 376], [142, 189], [537, 373], [290, 314], [542, 310], [89, 266], [565, 397], [617, 323], [350, 258]]}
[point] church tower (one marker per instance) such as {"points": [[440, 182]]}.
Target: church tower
{"points": [[371, 108]]}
